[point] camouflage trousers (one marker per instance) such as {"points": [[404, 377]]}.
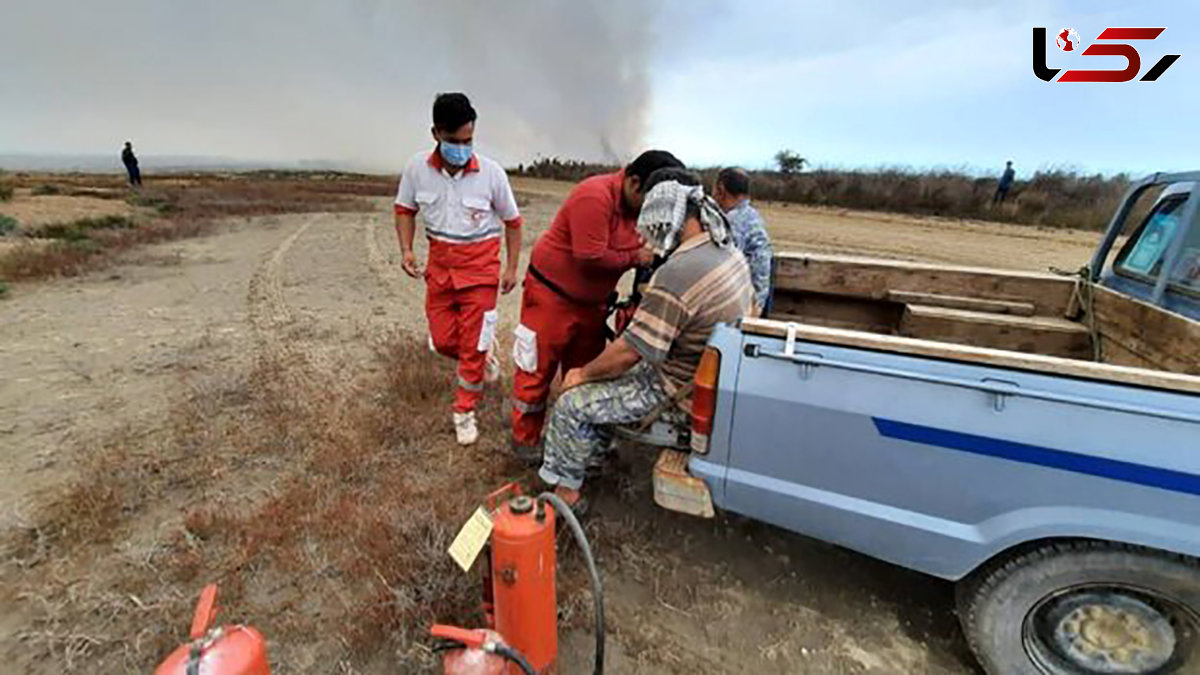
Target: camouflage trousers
{"points": [[580, 429]]}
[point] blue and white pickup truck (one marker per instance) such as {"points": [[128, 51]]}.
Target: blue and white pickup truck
{"points": [[1033, 437]]}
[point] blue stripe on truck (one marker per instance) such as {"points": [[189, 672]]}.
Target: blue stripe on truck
{"points": [[1128, 472]]}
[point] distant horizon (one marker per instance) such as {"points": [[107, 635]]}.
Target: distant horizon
{"points": [[174, 163]]}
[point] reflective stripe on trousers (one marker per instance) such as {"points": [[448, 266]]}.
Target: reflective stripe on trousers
{"points": [[527, 408]]}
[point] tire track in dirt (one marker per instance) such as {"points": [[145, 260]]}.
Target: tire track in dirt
{"points": [[401, 291], [270, 315], [386, 272], [268, 310], [282, 336]]}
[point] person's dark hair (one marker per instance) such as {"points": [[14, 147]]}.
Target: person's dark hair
{"points": [[676, 173], [735, 181], [650, 161], [451, 111], [679, 175]]}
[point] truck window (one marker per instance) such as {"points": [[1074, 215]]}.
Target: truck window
{"points": [[1186, 275], [1143, 253]]}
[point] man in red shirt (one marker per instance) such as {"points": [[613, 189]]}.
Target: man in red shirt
{"points": [[574, 266]]}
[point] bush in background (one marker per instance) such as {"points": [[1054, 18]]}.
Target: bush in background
{"points": [[1049, 198], [8, 225]]}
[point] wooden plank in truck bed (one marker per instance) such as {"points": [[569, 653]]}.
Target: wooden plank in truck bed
{"points": [[992, 357], [1049, 294], [1052, 336], [962, 302]]}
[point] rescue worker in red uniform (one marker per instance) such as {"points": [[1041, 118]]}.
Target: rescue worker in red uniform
{"points": [[466, 205], [573, 268]]}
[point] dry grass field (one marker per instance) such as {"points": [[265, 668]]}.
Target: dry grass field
{"points": [[228, 382]]}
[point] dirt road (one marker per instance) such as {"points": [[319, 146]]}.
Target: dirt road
{"points": [[85, 357]]}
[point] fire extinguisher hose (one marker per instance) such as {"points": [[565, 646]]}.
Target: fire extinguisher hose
{"points": [[562, 509], [502, 650]]}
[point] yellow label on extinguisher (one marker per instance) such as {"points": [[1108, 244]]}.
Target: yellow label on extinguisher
{"points": [[471, 539]]}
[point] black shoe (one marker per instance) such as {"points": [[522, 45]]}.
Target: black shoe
{"points": [[529, 454]]}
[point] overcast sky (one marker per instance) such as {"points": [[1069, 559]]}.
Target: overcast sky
{"points": [[929, 83]]}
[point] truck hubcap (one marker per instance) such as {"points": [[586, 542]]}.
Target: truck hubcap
{"points": [[1101, 631]]}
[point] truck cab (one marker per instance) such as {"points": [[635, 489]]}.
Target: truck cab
{"points": [[1159, 261]]}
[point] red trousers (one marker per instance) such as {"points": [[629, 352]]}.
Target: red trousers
{"points": [[456, 318], [568, 334]]}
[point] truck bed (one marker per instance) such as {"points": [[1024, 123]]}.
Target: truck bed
{"points": [[1143, 377], [1077, 326]]}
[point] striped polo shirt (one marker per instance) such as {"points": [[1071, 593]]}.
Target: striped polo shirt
{"points": [[699, 286]]}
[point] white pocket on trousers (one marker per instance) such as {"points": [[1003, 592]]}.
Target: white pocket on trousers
{"points": [[487, 332], [525, 349]]}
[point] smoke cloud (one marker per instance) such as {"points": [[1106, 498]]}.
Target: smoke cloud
{"points": [[350, 81]]}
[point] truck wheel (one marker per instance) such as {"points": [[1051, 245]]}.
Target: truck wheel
{"points": [[1084, 608]]}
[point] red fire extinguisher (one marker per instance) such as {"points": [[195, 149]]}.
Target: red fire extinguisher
{"points": [[519, 591], [223, 650], [523, 566], [477, 652]]}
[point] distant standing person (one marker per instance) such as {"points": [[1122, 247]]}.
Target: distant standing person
{"points": [[749, 232], [467, 206], [131, 165], [1006, 181]]}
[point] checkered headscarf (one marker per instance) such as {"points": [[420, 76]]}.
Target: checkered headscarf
{"points": [[665, 208]]}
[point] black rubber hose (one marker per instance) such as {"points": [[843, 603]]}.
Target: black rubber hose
{"points": [[561, 508], [515, 656], [502, 650]]}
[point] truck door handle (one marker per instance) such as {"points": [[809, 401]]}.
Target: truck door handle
{"points": [[1000, 391]]}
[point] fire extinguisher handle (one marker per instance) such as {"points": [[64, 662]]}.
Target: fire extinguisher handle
{"points": [[494, 498], [206, 612], [471, 638]]}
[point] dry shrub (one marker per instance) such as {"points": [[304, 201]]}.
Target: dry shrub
{"points": [[32, 260], [323, 508], [1053, 198], [80, 246]]}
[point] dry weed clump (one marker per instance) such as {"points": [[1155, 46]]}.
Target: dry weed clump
{"points": [[323, 508], [72, 248]]}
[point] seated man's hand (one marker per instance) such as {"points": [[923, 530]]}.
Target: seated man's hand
{"points": [[573, 378]]}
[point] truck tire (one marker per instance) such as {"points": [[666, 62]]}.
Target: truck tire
{"points": [[1084, 608]]}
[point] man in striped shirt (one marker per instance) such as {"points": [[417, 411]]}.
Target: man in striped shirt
{"points": [[704, 281]]}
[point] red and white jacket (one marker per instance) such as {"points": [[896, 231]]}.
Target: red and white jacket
{"points": [[463, 216]]}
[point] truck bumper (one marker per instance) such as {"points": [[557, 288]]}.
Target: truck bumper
{"points": [[675, 489]]}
